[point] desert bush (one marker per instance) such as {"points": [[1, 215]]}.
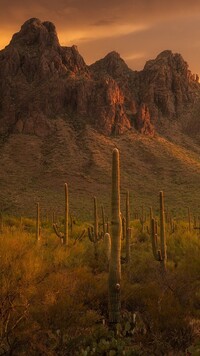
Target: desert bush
{"points": [[53, 300]]}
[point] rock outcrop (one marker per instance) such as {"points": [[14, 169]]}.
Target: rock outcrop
{"points": [[167, 85], [41, 81]]}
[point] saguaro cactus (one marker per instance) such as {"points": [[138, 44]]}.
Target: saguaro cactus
{"points": [[64, 237], [114, 279], [58, 233], [93, 232], [37, 221], [159, 254], [142, 219]]}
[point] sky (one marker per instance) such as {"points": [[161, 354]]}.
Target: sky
{"points": [[137, 29]]}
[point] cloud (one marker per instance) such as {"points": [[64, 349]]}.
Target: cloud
{"points": [[77, 13], [105, 22], [100, 26], [87, 35]]}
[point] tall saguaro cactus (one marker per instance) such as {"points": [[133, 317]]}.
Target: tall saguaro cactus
{"points": [[66, 235], [114, 279], [159, 254]]}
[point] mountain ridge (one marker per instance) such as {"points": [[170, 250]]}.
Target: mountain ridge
{"points": [[55, 81], [60, 119]]}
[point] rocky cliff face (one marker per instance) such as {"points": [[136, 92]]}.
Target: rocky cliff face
{"points": [[167, 85], [41, 81]]}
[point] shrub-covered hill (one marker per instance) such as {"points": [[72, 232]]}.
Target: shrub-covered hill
{"points": [[54, 299]]}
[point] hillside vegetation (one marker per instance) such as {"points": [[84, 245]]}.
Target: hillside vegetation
{"points": [[54, 299], [147, 166]]}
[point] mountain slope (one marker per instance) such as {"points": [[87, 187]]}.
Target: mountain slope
{"points": [[60, 119], [35, 169]]}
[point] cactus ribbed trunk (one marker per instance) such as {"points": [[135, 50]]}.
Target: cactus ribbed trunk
{"points": [[115, 258], [154, 239], [66, 234], [162, 231], [38, 222]]}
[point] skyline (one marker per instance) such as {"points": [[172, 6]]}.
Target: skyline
{"points": [[138, 30]]}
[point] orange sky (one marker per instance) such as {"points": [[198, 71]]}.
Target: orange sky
{"points": [[137, 29]]}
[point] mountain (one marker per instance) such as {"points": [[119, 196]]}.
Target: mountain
{"points": [[60, 119]]}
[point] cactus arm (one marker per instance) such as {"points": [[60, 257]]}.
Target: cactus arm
{"points": [[100, 236], [80, 237], [58, 233]]}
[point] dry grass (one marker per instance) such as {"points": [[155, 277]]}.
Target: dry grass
{"points": [[35, 169]]}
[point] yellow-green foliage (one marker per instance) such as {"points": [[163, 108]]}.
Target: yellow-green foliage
{"points": [[53, 300]]}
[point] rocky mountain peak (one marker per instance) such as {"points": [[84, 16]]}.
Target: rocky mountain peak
{"points": [[112, 64], [168, 85], [39, 79], [168, 61], [34, 32]]}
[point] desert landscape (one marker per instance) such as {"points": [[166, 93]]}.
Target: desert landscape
{"points": [[99, 201]]}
